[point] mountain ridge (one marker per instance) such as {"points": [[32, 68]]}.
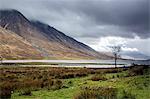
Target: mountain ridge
{"points": [[50, 42]]}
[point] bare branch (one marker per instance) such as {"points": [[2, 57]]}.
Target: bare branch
{"points": [[116, 50]]}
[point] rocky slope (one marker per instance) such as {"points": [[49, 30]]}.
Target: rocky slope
{"points": [[13, 46]]}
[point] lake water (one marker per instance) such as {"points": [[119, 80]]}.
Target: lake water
{"points": [[83, 63]]}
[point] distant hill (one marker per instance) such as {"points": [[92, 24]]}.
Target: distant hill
{"points": [[135, 55], [39, 40], [129, 55]]}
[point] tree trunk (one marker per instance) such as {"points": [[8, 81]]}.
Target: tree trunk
{"points": [[1, 60], [115, 60]]}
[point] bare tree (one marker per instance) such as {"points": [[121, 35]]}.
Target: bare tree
{"points": [[116, 50]]}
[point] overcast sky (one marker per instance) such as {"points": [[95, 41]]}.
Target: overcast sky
{"points": [[97, 23]]}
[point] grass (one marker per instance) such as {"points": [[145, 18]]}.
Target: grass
{"points": [[128, 86], [68, 93], [64, 93]]}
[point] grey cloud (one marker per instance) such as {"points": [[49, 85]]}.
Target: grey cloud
{"points": [[88, 18]]}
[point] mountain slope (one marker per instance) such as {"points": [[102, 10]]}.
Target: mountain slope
{"points": [[48, 41], [13, 46]]}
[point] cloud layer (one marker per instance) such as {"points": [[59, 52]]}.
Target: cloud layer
{"points": [[93, 18], [130, 45]]}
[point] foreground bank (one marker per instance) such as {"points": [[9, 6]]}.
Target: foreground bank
{"points": [[77, 83]]}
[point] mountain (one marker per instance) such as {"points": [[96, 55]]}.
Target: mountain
{"points": [[44, 39], [134, 55]]}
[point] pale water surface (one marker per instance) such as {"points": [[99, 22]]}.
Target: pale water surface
{"points": [[83, 63]]}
